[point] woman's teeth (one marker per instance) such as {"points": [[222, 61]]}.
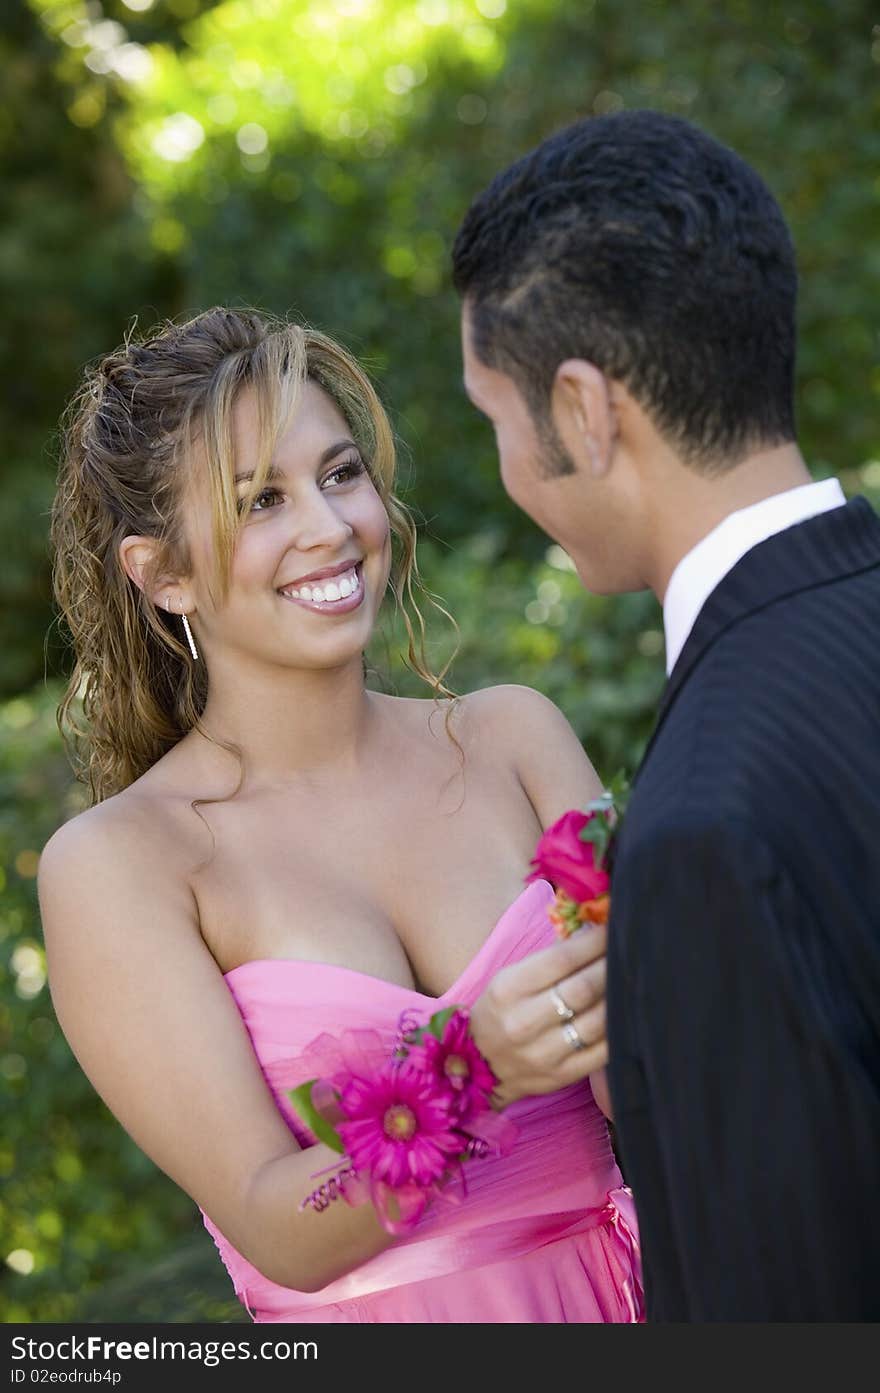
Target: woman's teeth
{"points": [[337, 589]]}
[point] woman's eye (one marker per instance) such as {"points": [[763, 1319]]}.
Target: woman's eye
{"points": [[259, 504], [345, 472]]}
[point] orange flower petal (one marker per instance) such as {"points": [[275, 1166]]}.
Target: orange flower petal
{"points": [[595, 911]]}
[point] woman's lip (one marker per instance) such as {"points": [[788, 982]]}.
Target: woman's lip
{"points": [[327, 573], [341, 606]]}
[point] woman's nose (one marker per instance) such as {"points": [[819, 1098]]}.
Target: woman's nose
{"points": [[319, 523]]}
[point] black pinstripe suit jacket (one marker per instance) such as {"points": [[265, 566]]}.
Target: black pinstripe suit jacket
{"points": [[744, 945]]}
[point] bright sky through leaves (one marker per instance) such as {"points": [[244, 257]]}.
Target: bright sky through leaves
{"points": [[256, 73]]}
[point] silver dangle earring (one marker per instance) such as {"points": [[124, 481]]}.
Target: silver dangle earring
{"points": [[187, 630], [189, 635]]}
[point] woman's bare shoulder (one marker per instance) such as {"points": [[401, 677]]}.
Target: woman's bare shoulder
{"points": [[489, 720], [508, 713], [136, 838], [124, 818], [526, 731], [508, 699]]}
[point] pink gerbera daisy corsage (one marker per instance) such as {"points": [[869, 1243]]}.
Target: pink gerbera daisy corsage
{"points": [[457, 1066], [396, 1128], [403, 1124]]}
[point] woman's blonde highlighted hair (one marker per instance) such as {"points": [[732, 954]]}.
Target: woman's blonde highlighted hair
{"points": [[128, 437]]}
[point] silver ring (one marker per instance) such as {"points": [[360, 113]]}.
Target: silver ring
{"points": [[561, 1006], [572, 1037]]}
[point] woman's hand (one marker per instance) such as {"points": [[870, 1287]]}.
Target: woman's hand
{"points": [[541, 1022]]}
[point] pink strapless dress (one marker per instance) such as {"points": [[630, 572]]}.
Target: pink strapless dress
{"points": [[546, 1233]]}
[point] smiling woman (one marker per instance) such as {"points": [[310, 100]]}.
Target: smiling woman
{"points": [[159, 426], [233, 476]]}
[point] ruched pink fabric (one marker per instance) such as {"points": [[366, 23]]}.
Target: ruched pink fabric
{"points": [[546, 1233]]}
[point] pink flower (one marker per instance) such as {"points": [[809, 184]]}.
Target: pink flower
{"points": [[456, 1066], [397, 1129], [336, 1058], [567, 862]]}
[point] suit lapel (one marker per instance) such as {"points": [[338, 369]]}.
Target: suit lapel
{"points": [[822, 549]]}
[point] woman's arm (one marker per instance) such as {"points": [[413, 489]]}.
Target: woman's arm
{"points": [[534, 737], [148, 1015], [548, 757]]}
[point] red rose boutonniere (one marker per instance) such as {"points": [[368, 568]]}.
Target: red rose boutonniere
{"points": [[573, 856]]}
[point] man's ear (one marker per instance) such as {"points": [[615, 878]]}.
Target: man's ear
{"points": [[138, 557], [584, 414]]}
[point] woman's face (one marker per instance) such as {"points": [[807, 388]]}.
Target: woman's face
{"points": [[312, 560]]}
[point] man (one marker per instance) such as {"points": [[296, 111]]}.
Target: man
{"points": [[628, 326]]}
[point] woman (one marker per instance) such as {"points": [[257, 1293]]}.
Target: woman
{"points": [[274, 851]]}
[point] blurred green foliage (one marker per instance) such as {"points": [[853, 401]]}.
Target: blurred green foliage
{"points": [[316, 156], [80, 1204]]}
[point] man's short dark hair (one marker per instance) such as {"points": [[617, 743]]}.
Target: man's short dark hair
{"points": [[639, 243]]}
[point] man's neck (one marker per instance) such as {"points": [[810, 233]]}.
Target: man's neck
{"points": [[693, 505]]}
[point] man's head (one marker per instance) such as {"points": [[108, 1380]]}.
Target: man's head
{"points": [[629, 306]]}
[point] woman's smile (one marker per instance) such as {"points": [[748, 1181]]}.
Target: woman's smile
{"points": [[339, 592]]}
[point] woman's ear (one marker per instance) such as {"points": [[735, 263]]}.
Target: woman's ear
{"points": [[584, 414], [138, 557]]}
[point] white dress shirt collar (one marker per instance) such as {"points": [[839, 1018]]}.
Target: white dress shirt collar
{"points": [[706, 565]]}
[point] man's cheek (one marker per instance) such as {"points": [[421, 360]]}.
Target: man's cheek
{"points": [[513, 476]]}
